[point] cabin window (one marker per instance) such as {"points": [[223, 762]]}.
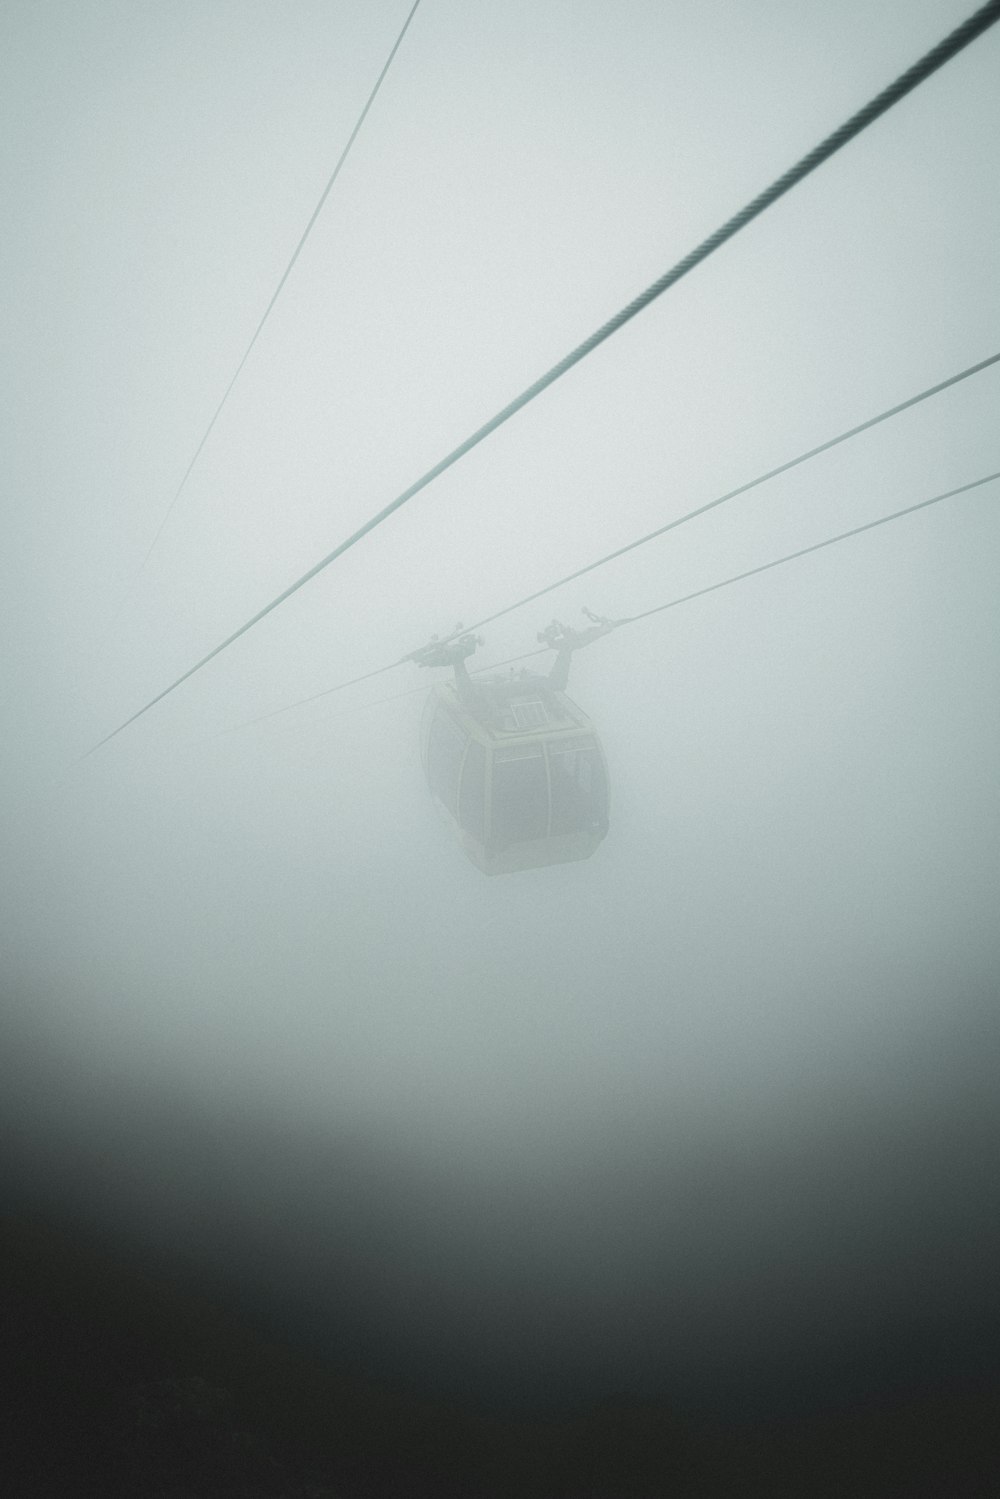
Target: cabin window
{"points": [[472, 797], [529, 714], [520, 796], [579, 789], [445, 749]]}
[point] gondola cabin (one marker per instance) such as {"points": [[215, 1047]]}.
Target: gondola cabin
{"points": [[518, 769]]}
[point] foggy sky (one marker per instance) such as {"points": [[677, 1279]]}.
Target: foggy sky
{"points": [[797, 899]]}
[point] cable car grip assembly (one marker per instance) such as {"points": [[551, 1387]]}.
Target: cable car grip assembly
{"points": [[452, 651], [457, 647], [564, 641]]}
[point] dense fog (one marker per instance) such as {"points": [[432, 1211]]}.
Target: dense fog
{"points": [[719, 1099]]}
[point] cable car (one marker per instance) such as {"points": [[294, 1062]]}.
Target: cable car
{"points": [[515, 765]]}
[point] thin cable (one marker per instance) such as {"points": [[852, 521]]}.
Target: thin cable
{"points": [[687, 598], [642, 540], [327, 692], [818, 546], [985, 17], [393, 697], [281, 285], [632, 619], [783, 468]]}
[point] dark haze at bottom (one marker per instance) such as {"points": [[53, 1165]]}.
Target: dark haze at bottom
{"points": [[803, 1297]]}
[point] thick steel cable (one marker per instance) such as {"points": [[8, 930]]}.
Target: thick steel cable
{"points": [[280, 287], [954, 43], [631, 546], [782, 468]]}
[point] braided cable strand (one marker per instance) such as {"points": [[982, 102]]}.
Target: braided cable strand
{"points": [[903, 85], [983, 18]]}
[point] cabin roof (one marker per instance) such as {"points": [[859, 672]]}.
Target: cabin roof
{"points": [[522, 706]]}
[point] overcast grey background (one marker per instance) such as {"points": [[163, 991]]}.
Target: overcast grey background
{"points": [[794, 917]]}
